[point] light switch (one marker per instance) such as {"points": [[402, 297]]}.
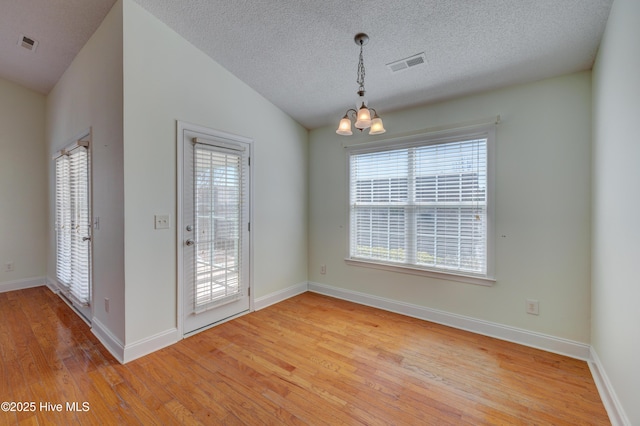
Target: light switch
{"points": [[162, 221]]}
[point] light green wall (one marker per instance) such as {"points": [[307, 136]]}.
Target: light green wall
{"points": [[89, 95], [23, 183], [167, 79], [616, 203], [542, 209]]}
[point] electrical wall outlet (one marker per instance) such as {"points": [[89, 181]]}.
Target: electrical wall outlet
{"points": [[106, 305], [161, 221], [533, 307], [9, 266], [323, 269]]}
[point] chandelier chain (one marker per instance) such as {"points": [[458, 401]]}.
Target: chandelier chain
{"points": [[364, 117], [361, 72]]}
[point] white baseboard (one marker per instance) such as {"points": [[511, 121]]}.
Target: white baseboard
{"points": [[150, 344], [127, 353], [51, 284], [279, 296], [616, 413], [516, 335], [22, 284], [108, 340]]}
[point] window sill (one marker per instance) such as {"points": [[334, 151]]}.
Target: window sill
{"points": [[449, 276]]}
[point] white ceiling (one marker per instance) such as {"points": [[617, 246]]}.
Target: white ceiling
{"points": [[300, 54], [61, 28]]}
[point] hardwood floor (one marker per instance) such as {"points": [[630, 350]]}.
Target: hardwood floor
{"points": [[308, 360]]}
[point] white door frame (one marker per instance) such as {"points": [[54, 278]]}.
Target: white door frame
{"points": [[183, 126], [84, 138]]}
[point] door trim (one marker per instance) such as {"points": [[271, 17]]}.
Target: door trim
{"points": [[181, 127], [83, 138]]}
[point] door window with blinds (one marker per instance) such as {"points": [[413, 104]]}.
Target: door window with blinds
{"points": [[218, 218], [73, 223], [424, 205]]}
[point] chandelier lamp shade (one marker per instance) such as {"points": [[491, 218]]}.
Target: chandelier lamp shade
{"points": [[364, 117]]}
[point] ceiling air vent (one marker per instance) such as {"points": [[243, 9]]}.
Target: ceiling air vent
{"points": [[407, 63], [27, 42]]}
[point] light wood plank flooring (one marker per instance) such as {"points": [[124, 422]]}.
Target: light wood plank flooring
{"points": [[308, 360]]}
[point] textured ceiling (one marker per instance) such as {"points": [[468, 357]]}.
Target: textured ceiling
{"points": [[300, 54], [61, 28]]}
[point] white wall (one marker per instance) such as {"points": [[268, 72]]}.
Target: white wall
{"points": [[167, 79], [542, 209], [23, 186], [89, 95], [616, 203]]}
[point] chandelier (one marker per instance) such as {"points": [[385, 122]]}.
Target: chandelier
{"points": [[362, 116]]}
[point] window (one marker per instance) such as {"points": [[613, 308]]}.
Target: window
{"points": [[73, 223], [424, 204]]}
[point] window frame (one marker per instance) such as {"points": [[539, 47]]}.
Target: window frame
{"points": [[426, 139]]}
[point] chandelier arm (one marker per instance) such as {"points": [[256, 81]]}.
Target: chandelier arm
{"points": [[353, 113]]}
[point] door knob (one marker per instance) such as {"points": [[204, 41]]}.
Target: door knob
{"points": [[189, 242]]}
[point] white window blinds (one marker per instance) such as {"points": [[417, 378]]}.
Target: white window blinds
{"points": [[219, 215], [73, 223], [423, 206]]}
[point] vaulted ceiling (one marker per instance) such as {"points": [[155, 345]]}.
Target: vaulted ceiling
{"points": [[300, 54]]}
